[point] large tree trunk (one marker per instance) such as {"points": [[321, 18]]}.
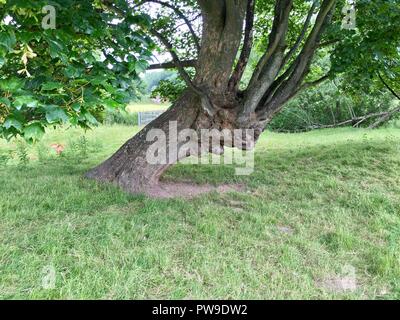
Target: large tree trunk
{"points": [[212, 100], [128, 167]]}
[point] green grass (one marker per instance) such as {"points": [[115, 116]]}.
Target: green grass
{"points": [[316, 203]]}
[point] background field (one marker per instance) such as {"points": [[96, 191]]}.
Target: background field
{"points": [[147, 106], [318, 204]]}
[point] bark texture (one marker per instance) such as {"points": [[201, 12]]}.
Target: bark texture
{"points": [[213, 99]]}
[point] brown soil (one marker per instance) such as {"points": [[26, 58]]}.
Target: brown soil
{"points": [[167, 190]]}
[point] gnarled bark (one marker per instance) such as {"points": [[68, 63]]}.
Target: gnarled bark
{"points": [[128, 167], [213, 100]]}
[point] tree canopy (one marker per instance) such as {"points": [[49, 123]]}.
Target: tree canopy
{"points": [[88, 63], [68, 74]]}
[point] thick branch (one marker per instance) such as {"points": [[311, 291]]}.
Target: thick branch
{"points": [[276, 37], [221, 39], [270, 64], [172, 65], [246, 50], [289, 70], [384, 118], [301, 65]]}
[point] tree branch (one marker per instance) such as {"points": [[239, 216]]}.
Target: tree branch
{"points": [[172, 65], [358, 120], [270, 64], [328, 43], [205, 100], [246, 50], [388, 86], [302, 33], [180, 15], [314, 83], [288, 88], [276, 37], [289, 70], [384, 117]]}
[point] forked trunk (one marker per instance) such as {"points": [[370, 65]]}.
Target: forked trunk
{"points": [[132, 166], [213, 100]]}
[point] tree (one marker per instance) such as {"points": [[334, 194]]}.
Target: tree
{"points": [[217, 39]]}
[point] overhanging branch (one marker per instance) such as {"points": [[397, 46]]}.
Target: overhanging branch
{"points": [[388, 86], [173, 65]]}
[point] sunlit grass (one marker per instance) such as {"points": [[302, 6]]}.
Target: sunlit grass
{"points": [[143, 107]]}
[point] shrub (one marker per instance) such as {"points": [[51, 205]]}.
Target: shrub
{"points": [[22, 153], [121, 117]]}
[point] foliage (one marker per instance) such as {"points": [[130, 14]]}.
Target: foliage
{"points": [[4, 158], [42, 152], [69, 74], [121, 117], [152, 79], [372, 49], [89, 63], [22, 153], [79, 147], [170, 89], [328, 104]]}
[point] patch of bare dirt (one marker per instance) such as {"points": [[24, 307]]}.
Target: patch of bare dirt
{"points": [[286, 230], [338, 284], [168, 190]]}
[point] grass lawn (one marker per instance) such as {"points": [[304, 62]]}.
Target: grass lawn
{"points": [[318, 205]]}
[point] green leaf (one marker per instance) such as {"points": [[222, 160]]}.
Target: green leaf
{"points": [[29, 101], [12, 84], [55, 48], [76, 107], [13, 123], [34, 132], [55, 114], [112, 104], [8, 40], [90, 118], [141, 65], [5, 101], [49, 86]]}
